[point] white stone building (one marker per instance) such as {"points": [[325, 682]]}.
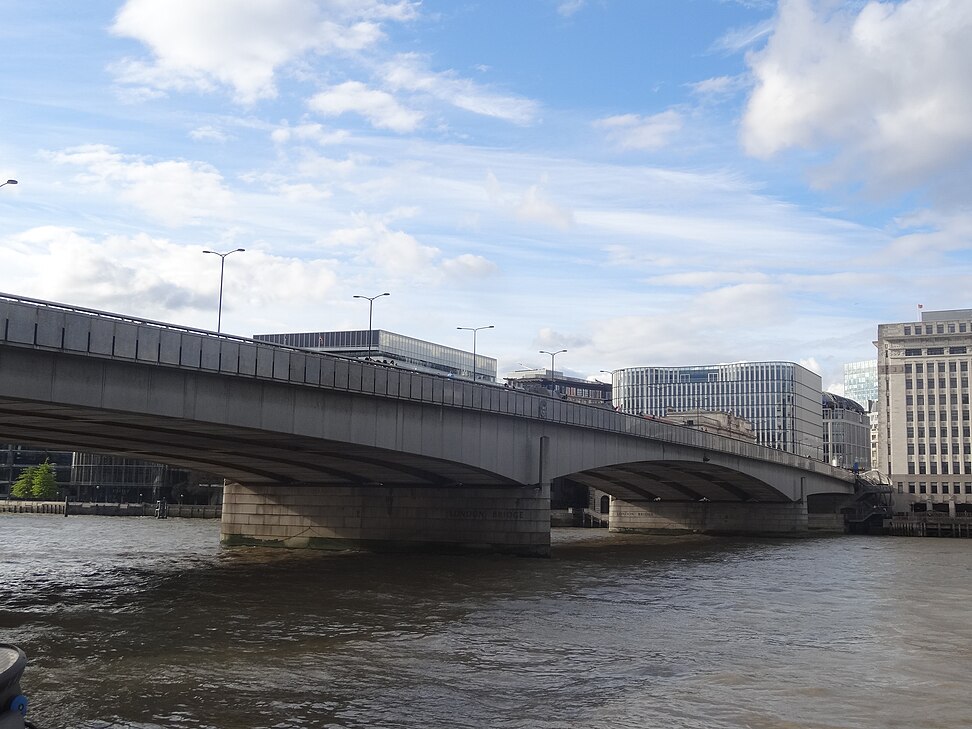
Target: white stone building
{"points": [[924, 438]]}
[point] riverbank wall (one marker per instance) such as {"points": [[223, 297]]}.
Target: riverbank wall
{"points": [[84, 508]]}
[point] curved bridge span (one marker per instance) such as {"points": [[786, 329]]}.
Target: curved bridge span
{"points": [[319, 450]]}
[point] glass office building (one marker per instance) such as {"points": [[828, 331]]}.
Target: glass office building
{"points": [[861, 382], [394, 348], [847, 433], [782, 400]]}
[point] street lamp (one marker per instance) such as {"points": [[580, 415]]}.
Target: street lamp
{"points": [[552, 355], [474, 330], [222, 264], [8, 182], [371, 306]]}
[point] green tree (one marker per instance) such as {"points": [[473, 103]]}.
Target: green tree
{"points": [[44, 485], [23, 487]]}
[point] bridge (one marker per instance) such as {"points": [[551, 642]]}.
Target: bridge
{"points": [[323, 451]]}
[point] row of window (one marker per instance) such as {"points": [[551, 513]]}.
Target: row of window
{"points": [[943, 400], [932, 416], [939, 328], [929, 384], [919, 367], [932, 468], [921, 487], [933, 448], [932, 431], [934, 351]]}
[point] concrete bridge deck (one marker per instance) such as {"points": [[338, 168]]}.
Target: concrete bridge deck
{"points": [[315, 446]]}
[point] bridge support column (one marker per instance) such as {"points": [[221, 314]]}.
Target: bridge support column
{"points": [[512, 520], [710, 517]]}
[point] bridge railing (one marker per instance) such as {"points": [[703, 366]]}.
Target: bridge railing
{"points": [[47, 325]]}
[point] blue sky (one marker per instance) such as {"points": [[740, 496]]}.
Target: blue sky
{"points": [[640, 182]]}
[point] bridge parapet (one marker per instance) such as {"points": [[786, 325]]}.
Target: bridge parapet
{"points": [[72, 330]]}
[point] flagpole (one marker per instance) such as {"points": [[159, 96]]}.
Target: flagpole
{"points": [[919, 312]]}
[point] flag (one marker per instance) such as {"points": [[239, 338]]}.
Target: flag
{"points": [[920, 306]]}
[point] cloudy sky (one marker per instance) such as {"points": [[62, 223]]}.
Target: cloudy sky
{"points": [[663, 182]]}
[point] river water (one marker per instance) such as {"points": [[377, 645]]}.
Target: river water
{"points": [[132, 622]]}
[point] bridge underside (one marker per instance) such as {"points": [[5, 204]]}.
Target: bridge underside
{"points": [[677, 481], [237, 454]]}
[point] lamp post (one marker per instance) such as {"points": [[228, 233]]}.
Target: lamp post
{"points": [[222, 264], [8, 182], [474, 330], [371, 306], [552, 355]]}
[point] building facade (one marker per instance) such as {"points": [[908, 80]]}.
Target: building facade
{"points": [[861, 386], [846, 433], [393, 348], [924, 436], [782, 400], [574, 389], [861, 381]]}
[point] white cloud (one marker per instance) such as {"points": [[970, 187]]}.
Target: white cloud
{"points": [[155, 278], [408, 73], [888, 86], [532, 206], [400, 255], [469, 265], [174, 192], [316, 133], [204, 45], [208, 134], [631, 131], [378, 107], [569, 7]]}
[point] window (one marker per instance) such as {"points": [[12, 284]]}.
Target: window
{"points": [[913, 353], [911, 468], [921, 470], [919, 368], [910, 433], [911, 487], [933, 351], [907, 331], [933, 468], [940, 328], [957, 350], [945, 487], [911, 449], [922, 487], [933, 487], [909, 383], [968, 484]]}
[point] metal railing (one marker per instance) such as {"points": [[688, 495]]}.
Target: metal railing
{"points": [[38, 324]]}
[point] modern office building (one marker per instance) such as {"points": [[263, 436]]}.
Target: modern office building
{"points": [[396, 349], [14, 459], [924, 437], [846, 433], [574, 389], [861, 386], [782, 400], [96, 477], [861, 381]]}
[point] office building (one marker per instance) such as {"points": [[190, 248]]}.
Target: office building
{"points": [[846, 433], [543, 381], [782, 400], [861, 381], [924, 439], [396, 349], [861, 386]]}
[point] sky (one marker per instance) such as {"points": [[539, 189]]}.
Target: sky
{"points": [[638, 182]]}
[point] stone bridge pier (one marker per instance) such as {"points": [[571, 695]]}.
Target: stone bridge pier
{"points": [[505, 519]]}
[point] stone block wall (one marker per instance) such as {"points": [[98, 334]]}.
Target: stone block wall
{"points": [[710, 517], [510, 520]]}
